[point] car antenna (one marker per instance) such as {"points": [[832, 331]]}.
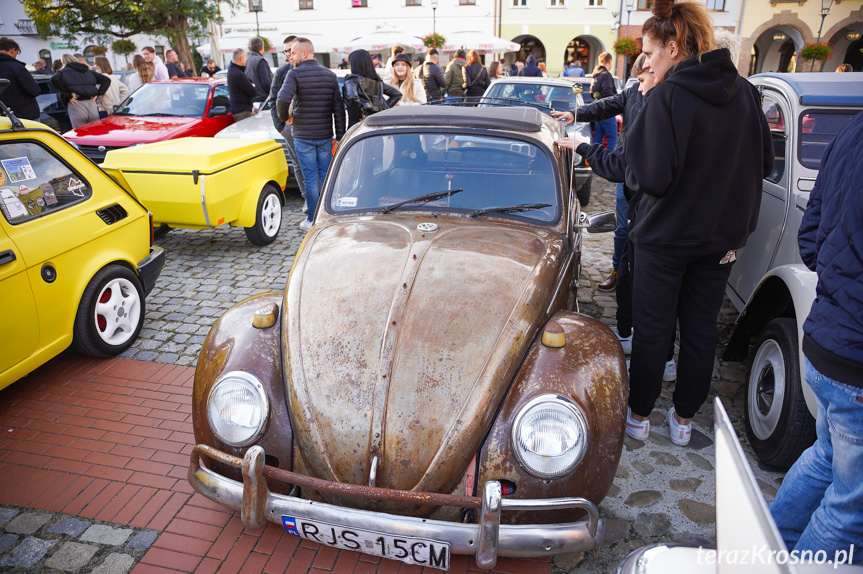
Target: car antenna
{"points": [[576, 89], [17, 126]]}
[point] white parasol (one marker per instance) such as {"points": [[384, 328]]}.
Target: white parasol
{"points": [[382, 40], [479, 41]]}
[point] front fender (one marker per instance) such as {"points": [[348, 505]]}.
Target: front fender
{"points": [[590, 370], [787, 285], [234, 344]]}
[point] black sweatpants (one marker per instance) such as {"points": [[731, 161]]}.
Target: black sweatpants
{"points": [[690, 290]]}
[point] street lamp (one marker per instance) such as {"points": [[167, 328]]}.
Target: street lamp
{"points": [[630, 4], [258, 6], [825, 9], [434, 16]]}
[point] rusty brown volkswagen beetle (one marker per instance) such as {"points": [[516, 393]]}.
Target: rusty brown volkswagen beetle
{"points": [[420, 388]]}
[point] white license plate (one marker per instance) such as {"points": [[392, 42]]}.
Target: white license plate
{"points": [[409, 549]]}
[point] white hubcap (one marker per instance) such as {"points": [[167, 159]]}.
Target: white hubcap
{"points": [[271, 215], [118, 311], [766, 389]]}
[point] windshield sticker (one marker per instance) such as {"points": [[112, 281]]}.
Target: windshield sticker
{"points": [[346, 202], [48, 193], [19, 169], [11, 205], [76, 187]]}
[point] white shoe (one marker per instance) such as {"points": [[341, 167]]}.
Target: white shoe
{"points": [[625, 342], [680, 434], [639, 430], [670, 373], [305, 225]]}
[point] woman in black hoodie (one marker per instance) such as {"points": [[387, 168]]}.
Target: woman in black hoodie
{"points": [[698, 153], [364, 92]]}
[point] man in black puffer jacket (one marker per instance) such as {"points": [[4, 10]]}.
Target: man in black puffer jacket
{"points": [[317, 106], [258, 70], [21, 93], [283, 127]]}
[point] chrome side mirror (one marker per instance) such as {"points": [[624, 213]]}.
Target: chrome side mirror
{"points": [[599, 223]]}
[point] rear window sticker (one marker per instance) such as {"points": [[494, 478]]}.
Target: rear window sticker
{"points": [[76, 187], [346, 202], [18, 169], [11, 205], [48, 193], [2, 177]]}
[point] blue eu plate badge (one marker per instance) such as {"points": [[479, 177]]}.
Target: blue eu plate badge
{"points": [[290, 524]]}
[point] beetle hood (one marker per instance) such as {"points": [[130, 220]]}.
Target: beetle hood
{"points": [[400, 344]]}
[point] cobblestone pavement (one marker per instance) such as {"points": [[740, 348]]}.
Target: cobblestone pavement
{"points": [[661, 492], [47, 541]]}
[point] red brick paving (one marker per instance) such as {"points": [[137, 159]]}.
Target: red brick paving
{"points": [[109, 439]]}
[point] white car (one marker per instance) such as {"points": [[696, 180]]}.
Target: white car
{"points": [[258, 126], [769, 283]]}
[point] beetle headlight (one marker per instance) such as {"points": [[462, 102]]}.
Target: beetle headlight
{"points": [[237, 408], [549, 436]]}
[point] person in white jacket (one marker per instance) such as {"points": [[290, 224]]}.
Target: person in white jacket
{"points": [[115, 94], [411, 88]]}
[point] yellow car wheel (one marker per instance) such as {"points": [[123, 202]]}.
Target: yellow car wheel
{"points": [[268, 217], [111, 313]]}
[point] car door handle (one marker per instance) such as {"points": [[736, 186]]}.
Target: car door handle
{"points": [[7, 256]]}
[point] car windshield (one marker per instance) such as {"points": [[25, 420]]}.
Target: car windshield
{"points": [[817, 128], [540, 96], [385, 169], [182, 100]]}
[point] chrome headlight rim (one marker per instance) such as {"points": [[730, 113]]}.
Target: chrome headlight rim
{"points": [[572, 408], [255, 384]]}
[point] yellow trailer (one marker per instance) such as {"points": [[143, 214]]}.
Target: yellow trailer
{"points": [[195, 183]]}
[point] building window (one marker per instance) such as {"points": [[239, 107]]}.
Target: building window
{"points": [[716, 5], [557, 3], [467, 2], [307, 4], [644, 4], [595, 3], [519, 3], [413, 2], [359, 4]]}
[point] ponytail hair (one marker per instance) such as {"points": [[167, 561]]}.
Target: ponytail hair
{"points": [[687, 23]]}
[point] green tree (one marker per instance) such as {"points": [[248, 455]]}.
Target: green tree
{"points": [[104, 19]]}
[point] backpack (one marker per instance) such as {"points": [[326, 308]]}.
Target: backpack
{"points": [[371, 104]]}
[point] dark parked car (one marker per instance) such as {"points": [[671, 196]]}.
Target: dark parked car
{"points": [[421, 388]]}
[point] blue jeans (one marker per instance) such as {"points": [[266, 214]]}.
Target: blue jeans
{"points": [[605, 128], [454, 100], [621, 232], [820, 503], [314, 157], [295, 163]]}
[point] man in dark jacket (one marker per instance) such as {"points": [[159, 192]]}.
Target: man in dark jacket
{"points": [[284, 128], [240, 89], [530, 68], [172, 63], [21, 93], [318, 105], [258, 70], [432, 77], [455, 80], [79, 87], [820, 503]]}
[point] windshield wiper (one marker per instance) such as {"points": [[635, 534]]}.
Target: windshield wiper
{"points": [[510, 209], [421, 199], [163, 115]]}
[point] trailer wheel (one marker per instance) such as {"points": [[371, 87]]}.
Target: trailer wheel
{"points": [[111, 313], [268, 217]]}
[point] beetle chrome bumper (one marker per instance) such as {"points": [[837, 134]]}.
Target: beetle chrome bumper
{"points": [[486, 540]]}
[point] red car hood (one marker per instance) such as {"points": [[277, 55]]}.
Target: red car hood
{"points": [[121, 131]]}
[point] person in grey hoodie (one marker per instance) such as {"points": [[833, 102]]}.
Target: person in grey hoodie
{"points": [[258, 70]]}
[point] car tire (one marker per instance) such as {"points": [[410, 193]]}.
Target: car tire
{"points": [[268, 217], [777, 419], [583, 193], [110, 314], [161, 231]]}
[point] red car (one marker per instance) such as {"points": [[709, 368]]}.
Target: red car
{"points": [[155, 112]]}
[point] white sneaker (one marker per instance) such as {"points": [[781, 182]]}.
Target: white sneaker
{"points": [[670, 373], [625, 342], [305, 225], [639, 430], [680, 434]]}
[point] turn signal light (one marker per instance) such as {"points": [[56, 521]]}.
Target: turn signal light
{"points": [[553, 336], [265, 316]]}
